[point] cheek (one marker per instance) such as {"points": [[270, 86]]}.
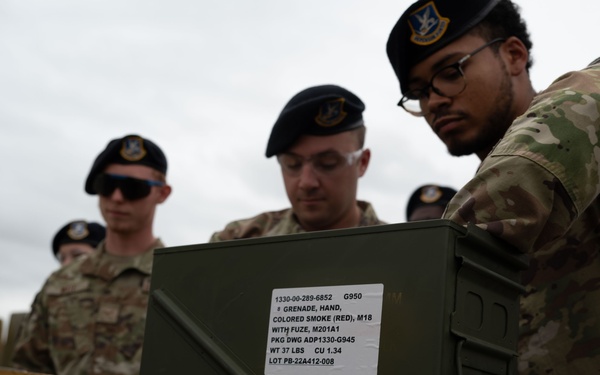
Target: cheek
{"points": [[483, 89], [343, 185], [102, 201], [480, 104], [142, 207], [290, 185], [429, 120]]}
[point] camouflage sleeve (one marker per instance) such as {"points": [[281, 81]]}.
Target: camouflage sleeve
{"points": [[228, 233], [32, 343], [257, 226], [500, 200], [368, 216], [544, 173], [232, 231]]}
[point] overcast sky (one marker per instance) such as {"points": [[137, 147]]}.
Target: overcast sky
{"points": [[205, 80]]}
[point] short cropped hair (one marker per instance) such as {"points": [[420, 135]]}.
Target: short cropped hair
{"points": [[360, 135], [505, 21]]}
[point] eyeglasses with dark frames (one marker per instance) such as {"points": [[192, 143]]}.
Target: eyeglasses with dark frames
{"points": [[449, 81]]}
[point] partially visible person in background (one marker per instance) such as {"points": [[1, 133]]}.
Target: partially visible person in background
{"points": [[76, 238], [428, 202], [90, 316]]}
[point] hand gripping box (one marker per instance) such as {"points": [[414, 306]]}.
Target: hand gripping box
{"points": [[415, 298]]}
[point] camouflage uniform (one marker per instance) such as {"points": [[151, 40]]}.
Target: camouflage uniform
{"points": [[89, 317], [538, 190], [281, 222]]}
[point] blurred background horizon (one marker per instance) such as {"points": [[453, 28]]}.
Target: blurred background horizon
{"points": [[206, 80]]}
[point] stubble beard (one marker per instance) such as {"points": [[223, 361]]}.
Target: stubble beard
{"points": [[496, 125]]}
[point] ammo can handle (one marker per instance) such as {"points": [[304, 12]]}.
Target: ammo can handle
{"points": [[201, 335]]}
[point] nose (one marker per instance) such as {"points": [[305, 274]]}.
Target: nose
{"points": [[308, 178], [434, 102], [117, 195]]}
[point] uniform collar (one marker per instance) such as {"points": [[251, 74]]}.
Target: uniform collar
{"points": [[108, 266]]}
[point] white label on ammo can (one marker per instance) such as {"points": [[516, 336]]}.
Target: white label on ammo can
{"points": [[324, 330]]}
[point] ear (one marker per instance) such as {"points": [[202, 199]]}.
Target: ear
{"points": [[515, 55], [164, 193], [363, 162]]}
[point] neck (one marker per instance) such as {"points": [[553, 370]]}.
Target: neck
{"points": [[128, 244], [525, 102], [350, 220]]}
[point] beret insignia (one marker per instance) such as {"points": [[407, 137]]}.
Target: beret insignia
{"points": [[78, 230], [331, 113], [430, 194], [133, 148], [427, 25]]}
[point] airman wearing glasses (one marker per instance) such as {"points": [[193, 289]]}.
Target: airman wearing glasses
{"points": [[318, 141], [89, 317], [463, 66]]}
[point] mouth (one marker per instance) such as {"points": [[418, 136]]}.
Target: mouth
{"points": [[446, 124], [310, 201], [116, 213]]}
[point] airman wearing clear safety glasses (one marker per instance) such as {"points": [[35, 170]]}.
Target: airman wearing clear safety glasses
{"points": [[318, 141]]}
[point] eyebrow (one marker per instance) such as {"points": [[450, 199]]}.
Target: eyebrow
{"points": [[442, 63], [330, 150]]}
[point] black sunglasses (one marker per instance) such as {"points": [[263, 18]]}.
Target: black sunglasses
{"points": [[131, 188]]}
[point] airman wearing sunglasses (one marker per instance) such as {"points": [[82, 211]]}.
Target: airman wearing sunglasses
{"points": [[463, 66], [89, 317], [318, 141]]}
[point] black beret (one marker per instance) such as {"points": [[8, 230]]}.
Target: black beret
{"points": [[78, 231], [427, 26], [318, 110], [429, 195], [131, 149]]}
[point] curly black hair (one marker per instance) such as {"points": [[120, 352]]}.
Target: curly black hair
{"points": [[505, 21]]}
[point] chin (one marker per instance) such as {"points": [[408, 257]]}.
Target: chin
{"points": [[315, 223], [454, 152], [121, 228], [460, 149]]}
